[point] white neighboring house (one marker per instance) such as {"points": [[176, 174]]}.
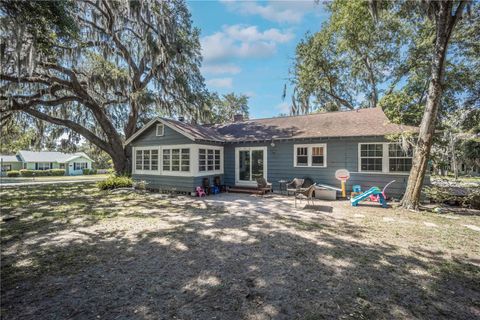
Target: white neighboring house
{"points": [[73, 163]]}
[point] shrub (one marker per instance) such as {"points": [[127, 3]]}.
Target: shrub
{"points": [[13, 173], [114, 182], [27, 173], [86, 171], [57, 172], [93, 171]]}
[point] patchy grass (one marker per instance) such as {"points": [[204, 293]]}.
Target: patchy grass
{"points": [[94, 177], [73, 251]]}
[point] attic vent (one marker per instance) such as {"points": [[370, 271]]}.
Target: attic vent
{"points": [[181, 119], [238, 118]]}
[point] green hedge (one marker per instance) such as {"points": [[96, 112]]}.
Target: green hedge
{"points": [[57, 172], [89, 171], [42, 173], [13, 173], [114, 182]]}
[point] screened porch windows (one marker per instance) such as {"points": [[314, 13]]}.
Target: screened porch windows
{"points": [[209, 160]]}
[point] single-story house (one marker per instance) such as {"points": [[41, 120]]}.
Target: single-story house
{"points": [[171, 153], [73, 163]]}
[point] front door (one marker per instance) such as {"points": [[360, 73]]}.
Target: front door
{"points": [[250, 164]]}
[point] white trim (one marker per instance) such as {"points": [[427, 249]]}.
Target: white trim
{"points": [[194, 172], [309, 147], [160, 125], [237, 165], [385, 159]]}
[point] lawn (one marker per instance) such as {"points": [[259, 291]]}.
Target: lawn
{"points": [[52, 178], [75, 252]]}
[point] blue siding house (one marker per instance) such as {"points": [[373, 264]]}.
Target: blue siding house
{"points": [[170, 154]]}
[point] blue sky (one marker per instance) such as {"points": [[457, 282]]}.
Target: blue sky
{"points": [[248, 47]]}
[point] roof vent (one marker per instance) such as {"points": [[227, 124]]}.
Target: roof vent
{"points": [[181, 119], [238, 118]]}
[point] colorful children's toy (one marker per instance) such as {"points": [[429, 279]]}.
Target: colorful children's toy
{"points": [[373, 191], [200, 192], [374, 194]]}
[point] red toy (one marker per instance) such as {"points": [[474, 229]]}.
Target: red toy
{"points": [[200, 192]]}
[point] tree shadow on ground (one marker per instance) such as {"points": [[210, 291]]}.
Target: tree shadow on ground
{"points": [[212, 262]]}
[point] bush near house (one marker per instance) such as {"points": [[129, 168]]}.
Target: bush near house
{"points": [[13, 173], [42, 173], [27, 173], [114, 182], [57, 172], [89, 171]]}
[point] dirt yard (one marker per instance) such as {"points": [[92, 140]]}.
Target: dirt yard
{"points": [[73, 252]]}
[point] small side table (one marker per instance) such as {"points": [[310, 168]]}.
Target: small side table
{"points": [[282, 186]]}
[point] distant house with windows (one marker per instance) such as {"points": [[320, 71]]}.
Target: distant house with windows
{"points": [[171, 153], [73, 163]]}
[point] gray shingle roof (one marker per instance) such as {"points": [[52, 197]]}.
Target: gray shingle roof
{"points": [[359, 122], [198, 132], [9, 158], [50, 156]]}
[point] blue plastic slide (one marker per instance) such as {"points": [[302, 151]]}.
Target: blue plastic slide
{"points": [[372, 191]]}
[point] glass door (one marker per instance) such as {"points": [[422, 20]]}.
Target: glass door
{"points": [[250, 165]]}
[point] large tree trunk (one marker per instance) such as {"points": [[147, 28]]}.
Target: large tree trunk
{"points": [[444, 27]]}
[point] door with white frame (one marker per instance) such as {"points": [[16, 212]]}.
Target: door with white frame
{"points": [[250, 164]]}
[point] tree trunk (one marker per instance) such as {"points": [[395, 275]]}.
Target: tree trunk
{"points": [[120, 162], [454, 157], [444, 26]]}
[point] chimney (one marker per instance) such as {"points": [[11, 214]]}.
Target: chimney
{"points": [[238, 118], [181, 119]]}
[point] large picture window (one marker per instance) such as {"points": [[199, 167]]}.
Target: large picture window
{"points": [[43, 166], [146, 160], [310, 155], [209, 160], [176, 159], [384, 157]]}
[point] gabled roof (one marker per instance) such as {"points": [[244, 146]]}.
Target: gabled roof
{"points": [[50, 156], [191, 131], [359, 122], [9, 159]]}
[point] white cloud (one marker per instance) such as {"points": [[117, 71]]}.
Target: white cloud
{"points": [[277, 11], [238, 41], [220, 83], [283, 107], [220, 69]]}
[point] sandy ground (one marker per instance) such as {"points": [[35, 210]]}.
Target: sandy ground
{"points": [[237, 257]]}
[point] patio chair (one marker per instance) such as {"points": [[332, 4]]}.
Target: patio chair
{"points": [[306, 194], [307, 182], [263, 185], [294, 185]]}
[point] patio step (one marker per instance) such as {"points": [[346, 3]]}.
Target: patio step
{"points": [[241, 189]]}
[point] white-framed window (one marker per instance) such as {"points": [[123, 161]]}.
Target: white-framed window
{"points": [[209, 160], [310, 155], [176, 159], [399, 160], [371, 157], [160, 130], [6, 167], [43, 166], [384, 157], [78, 165], [146, 160]]}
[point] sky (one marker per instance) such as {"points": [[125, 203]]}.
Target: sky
{"points": [[248, 47]]}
